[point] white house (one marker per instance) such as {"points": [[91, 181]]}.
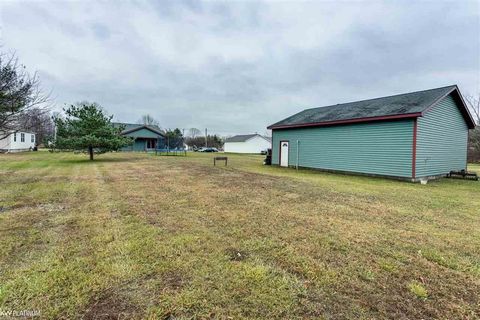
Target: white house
{"points": [[248, 143], [18, 141]]}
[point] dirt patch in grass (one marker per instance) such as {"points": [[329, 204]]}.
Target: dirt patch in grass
{"points": [[133, 298], [173, 281], [112, 305]]}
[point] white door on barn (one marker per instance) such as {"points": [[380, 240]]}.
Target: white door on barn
{"points": [[284, 153]]}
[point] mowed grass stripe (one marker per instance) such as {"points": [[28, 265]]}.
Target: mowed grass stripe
{"points": [[39, 228], [190, 264]]}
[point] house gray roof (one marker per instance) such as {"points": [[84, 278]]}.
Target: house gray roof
{"points": [[405, 105], [131, 127], [245, 137]]}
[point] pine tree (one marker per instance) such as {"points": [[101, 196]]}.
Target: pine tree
{"points": [[87, 127]]}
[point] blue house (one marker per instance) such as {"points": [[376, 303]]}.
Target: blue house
{"points": [[146, 137], [412, 136]]}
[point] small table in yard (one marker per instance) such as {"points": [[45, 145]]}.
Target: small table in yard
{"points": [[215, 159]]}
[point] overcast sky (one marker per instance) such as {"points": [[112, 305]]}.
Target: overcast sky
{"points": [[236, 67]]}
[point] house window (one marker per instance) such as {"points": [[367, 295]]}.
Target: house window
{"points": [[22, 137], [15, 137], [33, 138]]}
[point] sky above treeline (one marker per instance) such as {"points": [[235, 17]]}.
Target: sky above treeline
{"points": [[236, 67]]}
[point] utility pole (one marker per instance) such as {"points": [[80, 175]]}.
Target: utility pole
{"points": [[183, 139], [206, 138]]}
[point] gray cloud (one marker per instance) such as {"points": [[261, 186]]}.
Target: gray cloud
{"points": [[237, 67]]}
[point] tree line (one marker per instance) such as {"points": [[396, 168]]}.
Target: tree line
{"points": [[196, 139]]}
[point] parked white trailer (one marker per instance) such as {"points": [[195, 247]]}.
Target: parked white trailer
{"points": [[248, 143], [18, 141]]}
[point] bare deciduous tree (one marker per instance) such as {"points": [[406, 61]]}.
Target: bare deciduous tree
{"points": [[19, 92], [40, 122], [194, 133], [473, 103], [148, 120]]}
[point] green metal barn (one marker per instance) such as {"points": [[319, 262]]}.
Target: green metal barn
{"points": [[412, 136]]}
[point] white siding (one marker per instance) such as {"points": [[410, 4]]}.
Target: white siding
{"points": [[11, 144], [254, 145]]}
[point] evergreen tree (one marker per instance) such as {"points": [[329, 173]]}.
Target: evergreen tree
{"points": [[87, 127]]}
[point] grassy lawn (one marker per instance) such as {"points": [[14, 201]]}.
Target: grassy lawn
{"points": [[141, 236]]}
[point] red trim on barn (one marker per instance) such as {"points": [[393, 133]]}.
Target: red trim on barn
{"points": [[329, 123], [414, 149]]}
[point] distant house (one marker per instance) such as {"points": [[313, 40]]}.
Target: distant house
{"points": [[146, 137], [18, 141], [248, 143], [412, 136]]}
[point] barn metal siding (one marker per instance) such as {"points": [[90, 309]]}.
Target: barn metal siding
{"points": [[382, 148], [441, 140]]}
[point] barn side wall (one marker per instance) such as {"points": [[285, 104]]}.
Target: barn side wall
{"points": [[379, 148]]}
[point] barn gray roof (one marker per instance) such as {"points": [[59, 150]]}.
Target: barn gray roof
{"points": [[244, 137], [398, 106]]}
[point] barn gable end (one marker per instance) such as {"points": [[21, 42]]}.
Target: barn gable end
{"points": [[442, 134]]}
